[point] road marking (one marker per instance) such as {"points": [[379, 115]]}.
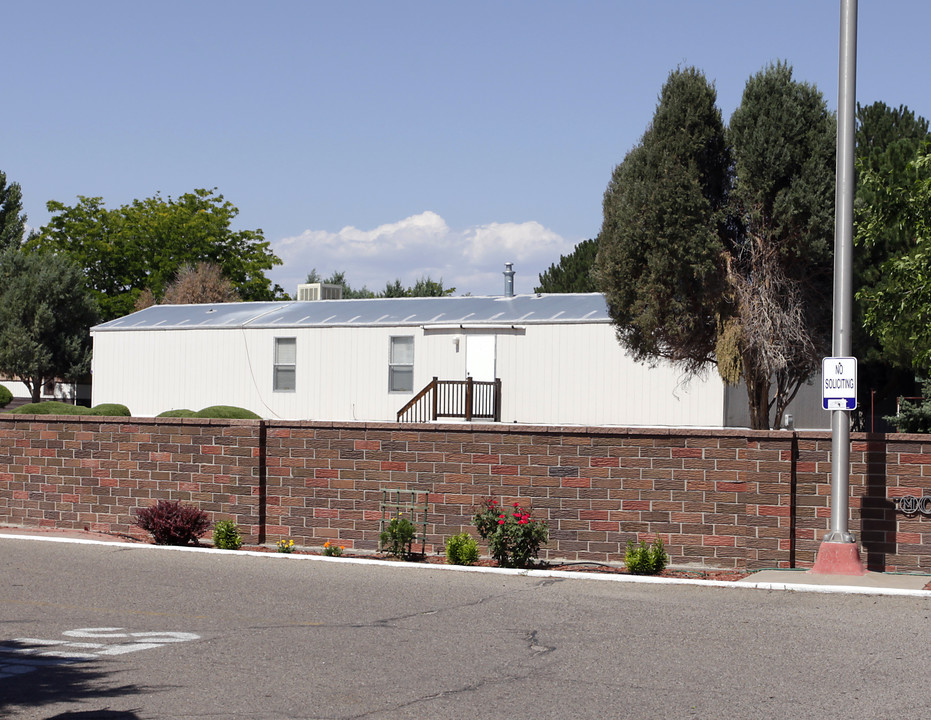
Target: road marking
{"points": [[32, 653]]}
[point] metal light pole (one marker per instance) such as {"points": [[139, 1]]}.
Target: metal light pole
{"points": [[839, 552]]}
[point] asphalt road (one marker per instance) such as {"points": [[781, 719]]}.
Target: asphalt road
{"points": [[124, 633]]}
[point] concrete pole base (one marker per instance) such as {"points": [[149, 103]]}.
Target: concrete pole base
{"points": [[838, 558]]}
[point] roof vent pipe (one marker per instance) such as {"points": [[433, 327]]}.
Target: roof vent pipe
{"points": [[509, 280]]}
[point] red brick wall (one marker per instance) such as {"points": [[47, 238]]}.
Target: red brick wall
{"points": [[721, 498], [67, 472]]}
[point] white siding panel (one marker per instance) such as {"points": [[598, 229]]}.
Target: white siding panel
{"points": [[551, 374], [579, 374]]}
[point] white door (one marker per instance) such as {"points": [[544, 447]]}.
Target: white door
{"points": [[480, 357]]}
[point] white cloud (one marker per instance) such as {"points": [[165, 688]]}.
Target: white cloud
{"points": [[471, 260]]}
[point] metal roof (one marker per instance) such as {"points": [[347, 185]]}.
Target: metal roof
{"points": [[375, 312]]}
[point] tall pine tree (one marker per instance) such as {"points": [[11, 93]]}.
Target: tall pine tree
{"points": [[781, 268], [715, 247], [661, 251]]}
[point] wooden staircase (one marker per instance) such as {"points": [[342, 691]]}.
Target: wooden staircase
{"points": [[466, 399]]}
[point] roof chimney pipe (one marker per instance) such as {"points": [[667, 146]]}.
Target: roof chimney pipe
{"points": [[509, 280]]}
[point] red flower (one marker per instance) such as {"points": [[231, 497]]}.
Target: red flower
{"points": [[501, 522]]}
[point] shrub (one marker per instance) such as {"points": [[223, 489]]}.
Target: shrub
{"points": [[646, 560], [914, 417], [227, 411], [461, 549], [513, 537], [6, 397], [110, 409], [171, 523], [396, 539], [214, 411], [54, 407], [226, 535]]}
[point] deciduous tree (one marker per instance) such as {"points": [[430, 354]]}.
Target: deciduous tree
{"points": [[888, 141], [200, 283], [897, 306], [144, 244]]}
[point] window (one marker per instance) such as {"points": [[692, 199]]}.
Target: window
{"points": [[285, 364], [401, 365]]}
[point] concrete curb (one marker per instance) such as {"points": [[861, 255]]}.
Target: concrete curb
{"points": [[561, 574]]}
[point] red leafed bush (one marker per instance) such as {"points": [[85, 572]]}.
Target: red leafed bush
{"points": [[172, 523]]}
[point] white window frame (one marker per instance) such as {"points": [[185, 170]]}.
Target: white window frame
{"points": [[284, 368], [394, 366]]}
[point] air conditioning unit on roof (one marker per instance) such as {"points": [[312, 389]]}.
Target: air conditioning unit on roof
{"points": [[319, 291]]}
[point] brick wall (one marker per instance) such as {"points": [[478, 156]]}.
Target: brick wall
{"points": [[58, 471], [720, 498]]}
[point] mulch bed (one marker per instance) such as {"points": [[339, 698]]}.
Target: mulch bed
{"points": [[593, 567]]}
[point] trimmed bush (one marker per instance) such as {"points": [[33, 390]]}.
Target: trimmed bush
{"points": [[54, 407], [6, 397], [176, 413], [461, 549], [227, 411], [110, 410], [171, 523], [226, 535]]}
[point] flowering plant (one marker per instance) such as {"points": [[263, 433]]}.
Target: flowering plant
{"points": [[513, 536], [286, 546], [331, 550]]}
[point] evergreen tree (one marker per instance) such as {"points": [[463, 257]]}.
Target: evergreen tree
{"points": [[12, 219], [781, 268], [717, 249], [573, 272], [660, 259], [424, 287], [45, 316]]}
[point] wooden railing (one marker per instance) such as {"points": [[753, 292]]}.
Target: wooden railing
{"points": [[467, 399]]}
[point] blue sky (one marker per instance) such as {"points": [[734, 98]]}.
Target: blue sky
{"points": [[397, 139]]}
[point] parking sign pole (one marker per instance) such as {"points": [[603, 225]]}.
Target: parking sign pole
{"points": [[843, 269]]}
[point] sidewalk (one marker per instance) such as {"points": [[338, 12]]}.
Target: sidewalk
{"points": [[793, 580], [891, 581]]}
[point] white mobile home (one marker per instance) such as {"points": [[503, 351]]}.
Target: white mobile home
{"points": [[555, 357]]}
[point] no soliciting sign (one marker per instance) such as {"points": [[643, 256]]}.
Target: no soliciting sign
{"points": [[839, 383]]}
